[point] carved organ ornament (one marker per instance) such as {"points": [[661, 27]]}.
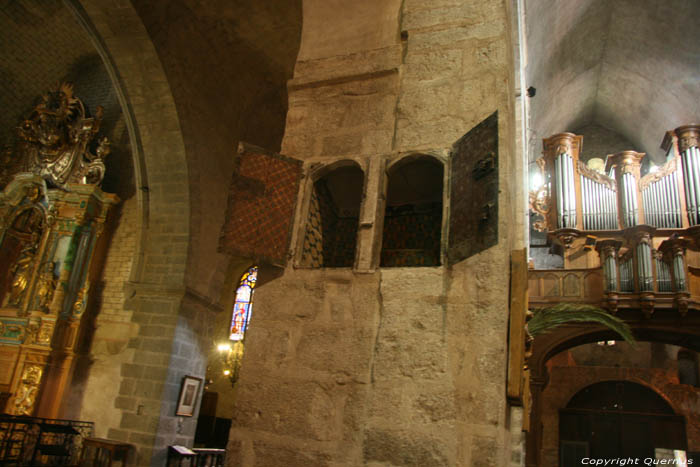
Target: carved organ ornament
{"points": [[642, 227], [574, 196], [51, 214]]}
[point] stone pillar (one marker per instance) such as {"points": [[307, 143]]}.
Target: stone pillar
{"points": [[371, 221]]}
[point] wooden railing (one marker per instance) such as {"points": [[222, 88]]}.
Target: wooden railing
{"points": [[548, 287]]}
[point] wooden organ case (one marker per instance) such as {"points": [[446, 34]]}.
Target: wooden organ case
{"points": [[52, 212]]}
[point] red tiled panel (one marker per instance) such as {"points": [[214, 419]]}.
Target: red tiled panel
{"points": [[261, 206]]}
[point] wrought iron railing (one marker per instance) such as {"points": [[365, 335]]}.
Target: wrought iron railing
{"points": [[32, 441]]}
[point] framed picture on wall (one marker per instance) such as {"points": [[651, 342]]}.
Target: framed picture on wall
{"points": [[189, 392]]}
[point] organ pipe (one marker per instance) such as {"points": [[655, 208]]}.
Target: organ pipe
{"points": [[626, 166], [584, 199]]}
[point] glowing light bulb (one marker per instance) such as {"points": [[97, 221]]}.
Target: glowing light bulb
{"points": [[536, 181], [227, 372], [224, 347]]}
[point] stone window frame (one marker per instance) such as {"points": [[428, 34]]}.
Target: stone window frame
{"points": [[372, 204], [314, 170], [392, 163]]}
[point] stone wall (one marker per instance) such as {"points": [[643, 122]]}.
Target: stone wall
{"points": [[395, 366], [95, 386]]}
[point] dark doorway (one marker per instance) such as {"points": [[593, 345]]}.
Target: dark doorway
{"points": [[617, 419]]}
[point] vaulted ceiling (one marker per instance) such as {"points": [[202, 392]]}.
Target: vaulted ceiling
{"points": [[631, 66]]}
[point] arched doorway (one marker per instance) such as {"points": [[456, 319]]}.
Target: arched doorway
{"points": [[618, 419]]}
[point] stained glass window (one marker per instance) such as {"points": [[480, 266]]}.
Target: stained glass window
{"points": [[243, 306]]}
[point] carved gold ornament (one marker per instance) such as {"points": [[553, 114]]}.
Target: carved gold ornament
{"points": [[45, 333], [28, 389], [540, 203], [688, 137], [666, 169], [47, 286], [79, 303], [54, 142], [32, 329], [597, 177]]}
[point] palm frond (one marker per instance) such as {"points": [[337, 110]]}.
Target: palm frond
{"points": [[546, 319]]}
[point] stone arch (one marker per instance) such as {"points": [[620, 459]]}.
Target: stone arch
{"points": [[318, 171], [571, 335], [333, 200], [137, 408], [160, 167], [407, 158], [572, 392]]}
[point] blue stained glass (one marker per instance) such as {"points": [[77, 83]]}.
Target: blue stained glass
{"points": [[243, 305]]}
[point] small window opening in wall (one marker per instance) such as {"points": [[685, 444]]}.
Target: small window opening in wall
{"points": [[413, 216], [231, 351], [243, 304], [334, 211]]}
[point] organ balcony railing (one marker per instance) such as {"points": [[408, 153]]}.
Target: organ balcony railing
{"points": [[627, 240]]}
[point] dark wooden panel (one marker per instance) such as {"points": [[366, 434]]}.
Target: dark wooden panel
{"points": [[261, 204], [473, 224], [516, 324]]}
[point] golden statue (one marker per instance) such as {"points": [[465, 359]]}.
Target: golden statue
{"points": [[54, 142], [21, 271], [47, 286]]}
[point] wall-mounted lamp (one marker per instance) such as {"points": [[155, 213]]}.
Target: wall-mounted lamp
{"points": [[231, 355]]}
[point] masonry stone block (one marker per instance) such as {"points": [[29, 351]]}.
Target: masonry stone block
{"points": [[351, 354], [301, 409], [484, 452], [401, 448], [118, 435], [435, 406], [141, 423], [343, 144], [429, 66], [126, 403], [270, 455], [440, 132], [131, 370], [453, 36]]}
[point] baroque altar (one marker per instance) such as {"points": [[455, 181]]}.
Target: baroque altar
{"points": [[52, 212]]}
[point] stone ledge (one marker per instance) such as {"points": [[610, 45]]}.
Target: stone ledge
{"points": [[365, 65]]}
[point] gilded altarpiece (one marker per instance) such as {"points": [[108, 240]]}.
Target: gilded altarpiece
{"points": [[52, 212]]}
